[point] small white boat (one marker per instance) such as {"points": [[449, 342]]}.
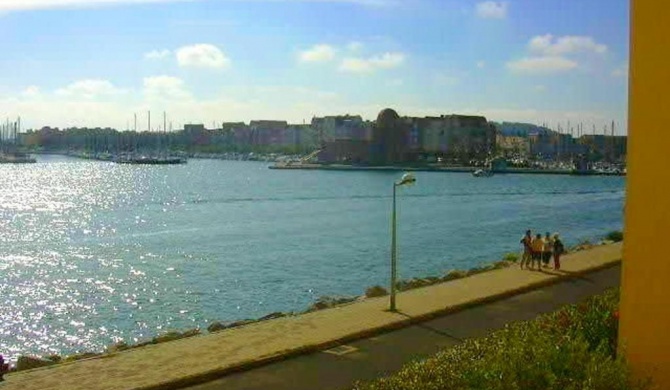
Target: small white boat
{"points": [[482, 173]]}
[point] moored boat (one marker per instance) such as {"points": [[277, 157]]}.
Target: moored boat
{"points": [[482, 173]]}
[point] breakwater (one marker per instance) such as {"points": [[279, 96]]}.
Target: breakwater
{"points": [[536, 171]]}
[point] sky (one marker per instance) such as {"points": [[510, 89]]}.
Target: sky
{"points": [[99, 62]]}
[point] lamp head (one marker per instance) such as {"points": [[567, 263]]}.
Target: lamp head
{"points": [[407, 179]]}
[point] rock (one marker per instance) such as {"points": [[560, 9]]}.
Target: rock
{"points": [[80, 356], [143, 344], [402, 285], [30, 362], [215, 327], [271, 316], [239, 323], [190, 333], [502, 264], [318, 305], [120, 346], [328, 302], [376, 291], [474, 271], [53, 358], [416, 283], [454, 274], [169, 336]]}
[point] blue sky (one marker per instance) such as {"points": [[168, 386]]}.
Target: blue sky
{"points": [[96, 62]]}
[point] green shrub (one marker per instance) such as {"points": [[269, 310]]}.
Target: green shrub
{"points": [[594, 319], [615, 236], [569, 349], [512, 257]]}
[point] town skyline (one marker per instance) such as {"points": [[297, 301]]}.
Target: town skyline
{"points": [[96, 64]]}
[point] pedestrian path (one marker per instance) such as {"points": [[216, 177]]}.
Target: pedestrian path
{"points": [[381, 355], [198, 359]]}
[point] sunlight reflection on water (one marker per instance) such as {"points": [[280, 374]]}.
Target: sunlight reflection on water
{"points": [[93, 253]]}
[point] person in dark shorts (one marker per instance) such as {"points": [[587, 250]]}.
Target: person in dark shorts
{"points": [[526, 241], [547, 250], [559, 249], [3, 368], [537, 247]]}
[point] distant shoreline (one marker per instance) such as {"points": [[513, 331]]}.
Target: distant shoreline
{"points": [[345, 167]]}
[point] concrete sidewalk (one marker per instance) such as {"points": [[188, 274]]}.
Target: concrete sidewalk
{"points": [[376, 357], [199, 359]]}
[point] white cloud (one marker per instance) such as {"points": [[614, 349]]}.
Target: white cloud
{"points": [[540, 88], [542, 65], [369, 65], [89, 89], [549, 54], [621, 71], [570, 44], [354, 46], [165, 87], [318, 53], [481, 64], [492, 10], [32, 91], [202, 56], [157, 54]]}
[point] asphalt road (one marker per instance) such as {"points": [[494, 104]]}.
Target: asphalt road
{"points": [[378, 356]]}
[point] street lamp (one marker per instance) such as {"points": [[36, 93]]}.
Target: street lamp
{"points": [[407, 179]]}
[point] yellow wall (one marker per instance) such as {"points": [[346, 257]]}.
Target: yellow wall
{"points": [[645, 301]]}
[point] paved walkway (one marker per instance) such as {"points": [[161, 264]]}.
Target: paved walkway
{"points": [[374, 357], [203, 358]]}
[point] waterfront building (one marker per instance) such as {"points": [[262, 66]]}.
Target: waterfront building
{"points": [[389, 139], [268, 132], [341, 127], [394, 139], [452, 137], [300, 136]]}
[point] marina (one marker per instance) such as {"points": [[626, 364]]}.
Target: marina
{"points": [[10, 145]]}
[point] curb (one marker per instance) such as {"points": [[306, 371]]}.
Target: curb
{"points": [[211, 375]]}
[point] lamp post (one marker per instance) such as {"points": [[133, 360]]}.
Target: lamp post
{"points": [[407, 179]]}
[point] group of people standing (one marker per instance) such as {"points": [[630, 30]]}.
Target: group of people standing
{"points": [[540, 250]]}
